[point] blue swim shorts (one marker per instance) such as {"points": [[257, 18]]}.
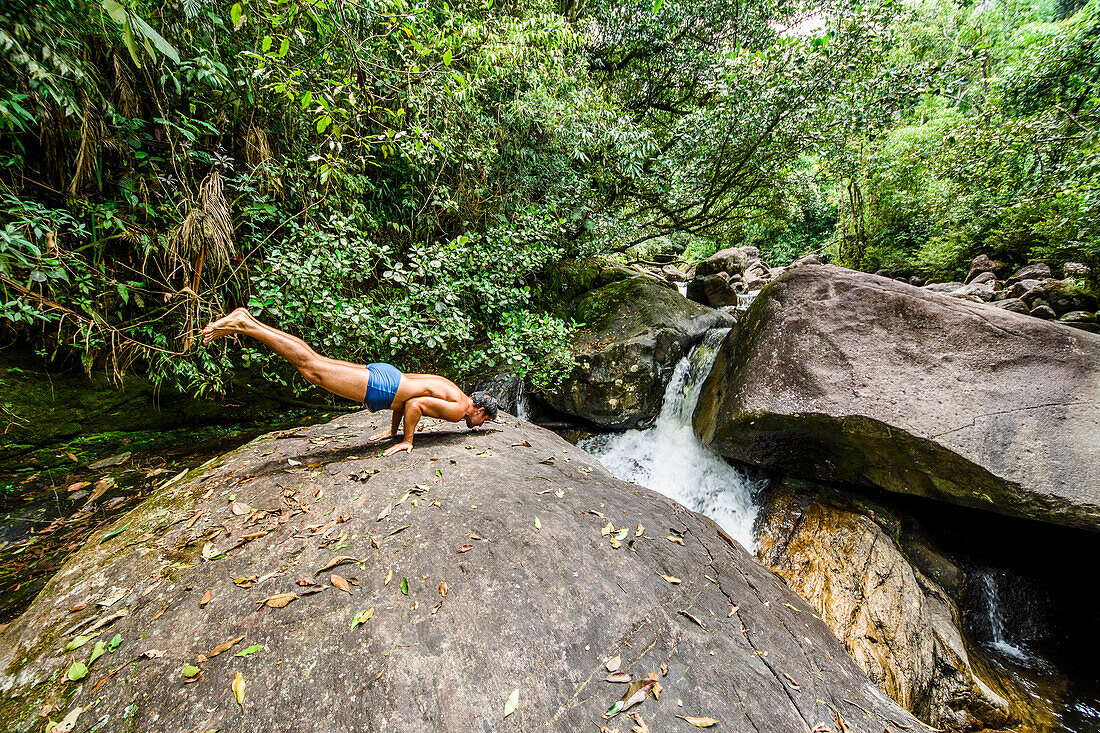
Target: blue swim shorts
{"points": [[382, 382]]}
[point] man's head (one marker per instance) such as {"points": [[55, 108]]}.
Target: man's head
{"points": [[485, 408]]}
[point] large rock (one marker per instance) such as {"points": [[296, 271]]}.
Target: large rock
{"points": [[897, 617], [635, 332], [838, 375], [536, 600]]}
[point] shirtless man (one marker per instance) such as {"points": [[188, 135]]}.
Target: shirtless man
{"points": [[379, 386]]}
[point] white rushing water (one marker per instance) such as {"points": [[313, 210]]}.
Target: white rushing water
{"points": [[669, 458], [995, 617]]}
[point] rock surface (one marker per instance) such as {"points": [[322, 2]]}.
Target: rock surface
{"points": [[636, 330], [838, 375], [536, 600], [900, 624]]}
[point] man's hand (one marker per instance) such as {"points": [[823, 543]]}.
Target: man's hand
{"points": [[402, 446], [380, 435]]}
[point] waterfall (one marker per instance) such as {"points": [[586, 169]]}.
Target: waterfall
{"points": [[669, 458], [989, 605], [683, 288]]}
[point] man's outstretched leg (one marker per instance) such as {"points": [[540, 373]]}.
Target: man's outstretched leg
{"points": [[339, 377]]}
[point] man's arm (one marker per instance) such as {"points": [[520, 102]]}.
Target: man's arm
{"points": [[419, 406], [394, 426]]}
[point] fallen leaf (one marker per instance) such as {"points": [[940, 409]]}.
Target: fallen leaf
{"points": [[238, 689], [209, 552], [794, 685], [621, 534], [614, 663], [384, 513], [523, 443], [362, 617], [114, 532], [250, 650], [67, 723], [699, 722], [339, 582], [112, 461], [677, 540], [336, 561], [671, 579], [206, 597], [279, 600], [695, 619], [114, 643], [607, 529], [152, 654], [190, 670], [511, 703], [389, 577], [638, 532], [244, 582], [224, 646], [443, 588], [97, 652], [239, 508], [465, 548], [619, 677], [639, 725], [538, 524], [664, 669], [635, 693], [78, 486], [78, 642], [405, 586], [77, 672]]}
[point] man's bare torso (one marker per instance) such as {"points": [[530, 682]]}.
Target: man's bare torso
{"points": [[434, 386]]}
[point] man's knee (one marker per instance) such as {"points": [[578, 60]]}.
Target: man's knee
{"points": [[311, 371]]}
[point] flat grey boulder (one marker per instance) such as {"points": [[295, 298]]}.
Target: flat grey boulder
{"points": [[635, 330], [307, 584], [838, 375]]}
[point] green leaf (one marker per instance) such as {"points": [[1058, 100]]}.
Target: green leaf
{"points": [[538, 524], [235, 14], [114, 532], [77, 643], [190, 670], [265, 45], [405, 586], [614, 709], [511, 703], [162, 45], [97, 652], [322, 125], [657, 6], [447, 57], [128, 39], [307, 99], [284, 46], [77, 672], [114, 642], [250, 650]]}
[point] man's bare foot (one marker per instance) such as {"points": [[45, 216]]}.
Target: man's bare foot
{"points": [[226, 325]]}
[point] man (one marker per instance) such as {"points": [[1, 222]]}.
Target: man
{"points": [[379, 386]]}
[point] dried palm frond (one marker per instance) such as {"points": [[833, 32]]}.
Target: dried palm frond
{"points": [[92, 133], [129, 103], [206, 234], [257, 149]]}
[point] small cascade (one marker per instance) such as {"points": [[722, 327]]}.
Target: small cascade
{"points": [[994, 617], [670, 459], [1006, 612], [683, 288]]}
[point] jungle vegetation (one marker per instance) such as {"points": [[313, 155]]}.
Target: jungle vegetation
{"points": [[394, 180]]}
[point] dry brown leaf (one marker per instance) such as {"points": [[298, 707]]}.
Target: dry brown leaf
{"points": [[304, 582], [389, 577], [671, 579], [614, 663], [159, 613], [639, 725], [206, 597], [336, 561], [699, 722], [443, 588], [239, 508], [677, 540], [224, 646], [384, 513], [279, 600], [618, 677], [338, 582], [465, 548], [77, 486], [238, 689]]}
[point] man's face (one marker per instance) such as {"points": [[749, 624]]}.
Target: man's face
{"points": [[475, 420]]}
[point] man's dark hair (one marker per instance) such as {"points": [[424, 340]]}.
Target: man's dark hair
{"points": [[487, 402]]}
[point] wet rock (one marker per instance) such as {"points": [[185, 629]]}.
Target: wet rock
{"points": [[1021, 288], [916, 281], [1076, 270], [1044, 311], [1037, 271], [1061, 295], [895, 615], [807, 260], [979, 290], [673, 274], [732, 261], [943, 287], [1078, 317], [838, 375], [717, 290], [1016, 305], [538, 602], [635, 332], [981, 265]]}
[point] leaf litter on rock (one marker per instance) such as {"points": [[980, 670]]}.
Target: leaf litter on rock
{"points": [[279, 600], [338, 581], [225, 646], [250, 650], [699, 722], [238, 689], [511, 703], [635, 693]]}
